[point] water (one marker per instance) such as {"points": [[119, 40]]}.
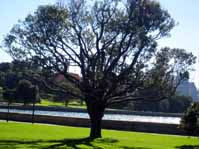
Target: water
{"points": [[120, 117]]}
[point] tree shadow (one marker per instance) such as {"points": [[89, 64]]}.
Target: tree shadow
{"points": [[64, 144], [126, 147], [188, 147], [16, 144], [72, 143], [46, 144]]}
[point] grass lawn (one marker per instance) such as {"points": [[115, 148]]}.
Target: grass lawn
{"points": [[72, 104], [50, 103], [40, 136]]}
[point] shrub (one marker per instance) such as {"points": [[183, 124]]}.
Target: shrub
{"points": [[1, 93], [26, 92], [9, 95], [190, 120], [62, 97]]}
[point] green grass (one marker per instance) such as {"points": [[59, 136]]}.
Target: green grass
{"points": [[50, 103], [76, 104], [72, 104], [37, 136]]}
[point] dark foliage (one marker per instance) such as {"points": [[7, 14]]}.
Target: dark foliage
{"points": [[190, 120], [26, 92], [175, 104], [9, 95]]}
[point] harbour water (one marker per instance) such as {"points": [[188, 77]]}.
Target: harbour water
{"points": [[120, 117]]}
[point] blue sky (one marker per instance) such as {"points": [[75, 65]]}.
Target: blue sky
{"points": [[13, 10], [185, 35]]}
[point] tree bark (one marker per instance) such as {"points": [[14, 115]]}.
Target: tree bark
{"points": [[96, 112], [95, 128]]}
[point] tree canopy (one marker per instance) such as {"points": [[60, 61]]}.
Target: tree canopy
{"points": [[114, 44]]}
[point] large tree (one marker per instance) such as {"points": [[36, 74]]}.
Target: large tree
{"points": [[113, 42]]}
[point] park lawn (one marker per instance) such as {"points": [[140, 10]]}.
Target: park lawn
{"points": [[45, 102], [71, 104], [41, 136]]}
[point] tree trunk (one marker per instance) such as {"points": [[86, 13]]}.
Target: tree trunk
{"points": [[95, 130], [96, 112]]}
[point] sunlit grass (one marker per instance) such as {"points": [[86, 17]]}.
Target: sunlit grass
{"points": [[32, 136], [72, 104]]}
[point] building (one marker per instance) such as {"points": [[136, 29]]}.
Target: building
{"points": [[188, 89]]}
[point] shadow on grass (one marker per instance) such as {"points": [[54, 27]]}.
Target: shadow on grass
{"points": [[64, 144], [187, 147], [126, 147]]}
